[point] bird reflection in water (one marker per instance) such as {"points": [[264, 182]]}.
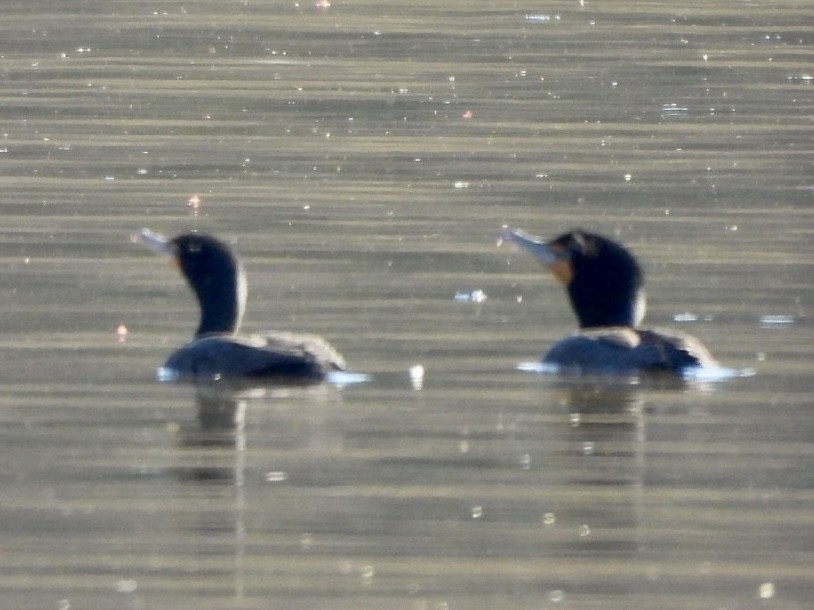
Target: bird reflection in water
{"points": [[220, 419]]}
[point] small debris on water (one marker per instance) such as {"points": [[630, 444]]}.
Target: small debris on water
{"points": [[475, 296], [417, 376], [766, 590]]}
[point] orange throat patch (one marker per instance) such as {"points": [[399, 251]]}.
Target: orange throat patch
{"points": [[562, 270]]}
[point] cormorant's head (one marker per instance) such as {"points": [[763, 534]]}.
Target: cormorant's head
{"points": [[212, 271], [603, 280]]}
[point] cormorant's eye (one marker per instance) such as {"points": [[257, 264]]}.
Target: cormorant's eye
{"points": [[194, 248]]}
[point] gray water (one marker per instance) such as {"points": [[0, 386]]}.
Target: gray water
{"points": [[362, 158]]}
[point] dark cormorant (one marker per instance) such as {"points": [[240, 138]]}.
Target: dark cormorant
{"points": [[605, 286], [214, 274]]}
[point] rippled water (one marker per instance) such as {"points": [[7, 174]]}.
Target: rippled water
{"points": [[362, 158]]}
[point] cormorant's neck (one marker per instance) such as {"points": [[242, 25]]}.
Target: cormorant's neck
{"points": [[599, 309], [221, 298]]}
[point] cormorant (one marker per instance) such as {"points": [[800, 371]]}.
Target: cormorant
{"points": [[215, 352], [605, 286]]}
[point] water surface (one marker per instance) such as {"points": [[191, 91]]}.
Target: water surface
{"points": [[362, 159]]}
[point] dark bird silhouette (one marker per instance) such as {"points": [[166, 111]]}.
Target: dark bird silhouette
{"points": [[605, 286], [215, 352]]}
